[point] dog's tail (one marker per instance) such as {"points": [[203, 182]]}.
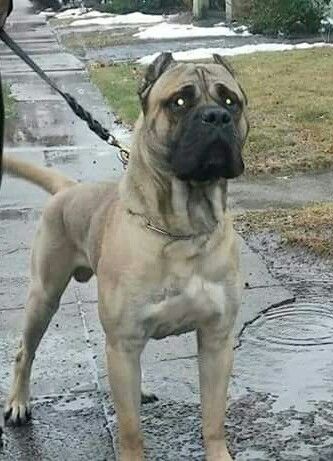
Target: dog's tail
{"points": [[47, 179]]}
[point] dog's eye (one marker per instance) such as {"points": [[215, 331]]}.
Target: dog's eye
{"points": [[229, 101], [226, 98], [180, 102]]}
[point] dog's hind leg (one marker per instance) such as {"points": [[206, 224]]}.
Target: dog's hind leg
{"points": [[50, 273], [146, 395]]}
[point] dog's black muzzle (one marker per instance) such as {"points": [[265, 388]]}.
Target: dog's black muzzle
{"points": [[207, 146]]}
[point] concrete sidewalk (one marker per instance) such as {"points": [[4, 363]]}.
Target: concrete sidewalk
{"points": [[73, 419]]}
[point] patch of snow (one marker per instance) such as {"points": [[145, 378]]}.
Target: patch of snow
{"points": [[237, 28], [327, 21], [47, 14], [206, 53], [243, 29], [92, 14], [73, 13], [116, 19], [166, 30]]}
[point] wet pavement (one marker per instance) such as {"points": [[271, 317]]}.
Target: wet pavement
{"points": [[279, 404], [138, 49], [251, 193]]}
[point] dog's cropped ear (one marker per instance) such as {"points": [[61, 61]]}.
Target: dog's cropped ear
{"points": [[152, 74], [218, 59]]}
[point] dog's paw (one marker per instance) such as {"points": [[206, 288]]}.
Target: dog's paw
{"points": [[147, 397], [17, 412]]}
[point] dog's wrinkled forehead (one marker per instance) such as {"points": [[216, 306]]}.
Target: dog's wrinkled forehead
{"points": [[165, 76]]}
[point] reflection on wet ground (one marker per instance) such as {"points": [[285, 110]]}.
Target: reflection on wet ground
{"points": [[291, 349], [19, 214], [295, 325], [284, 362], [251, 193]]}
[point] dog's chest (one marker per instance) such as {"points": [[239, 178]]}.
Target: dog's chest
{"points": [[182, 306]]}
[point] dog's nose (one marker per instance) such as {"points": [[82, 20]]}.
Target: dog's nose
{"points": [[216, 116]]}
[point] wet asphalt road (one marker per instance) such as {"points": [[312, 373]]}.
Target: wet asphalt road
{"points": [[138, 49], [280, 396]]}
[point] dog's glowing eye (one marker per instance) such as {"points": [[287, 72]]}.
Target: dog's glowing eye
{"points": [[180, 102], [229, 102]]}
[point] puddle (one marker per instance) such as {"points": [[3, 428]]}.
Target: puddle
{"points": [[288, 352], [60, 157], [36, 123], [296, 325], [21, 214], [24, 92]]}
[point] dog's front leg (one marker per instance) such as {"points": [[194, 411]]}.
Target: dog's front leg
{"points": [[123, 358], [125, 341], [215, 355]]}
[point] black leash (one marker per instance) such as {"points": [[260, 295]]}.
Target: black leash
{"points": [[93, 124]]}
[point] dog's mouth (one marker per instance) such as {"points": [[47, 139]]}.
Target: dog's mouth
{"points": [[212, 161]]}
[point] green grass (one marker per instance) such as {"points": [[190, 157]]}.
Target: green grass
{"points": [[58, 22], [309, 227], [9, 102], [291, 110], [119, 85], [290, 105], [102, 39]]}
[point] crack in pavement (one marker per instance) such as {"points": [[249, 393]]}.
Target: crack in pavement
{"points": [[185, 357], [254, 287], [94, 367]]}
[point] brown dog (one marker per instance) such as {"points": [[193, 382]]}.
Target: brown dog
{"points": [[161, 244]]}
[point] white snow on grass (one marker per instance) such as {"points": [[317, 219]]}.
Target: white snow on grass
{"points": [[75, 13], [167, 30], [80, 13], [236, 28], [327, 21], [152, 26], [47, 14], [116, 19], [206, 53]]}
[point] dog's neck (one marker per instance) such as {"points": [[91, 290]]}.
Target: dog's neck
{"points": [[170, 206]]}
